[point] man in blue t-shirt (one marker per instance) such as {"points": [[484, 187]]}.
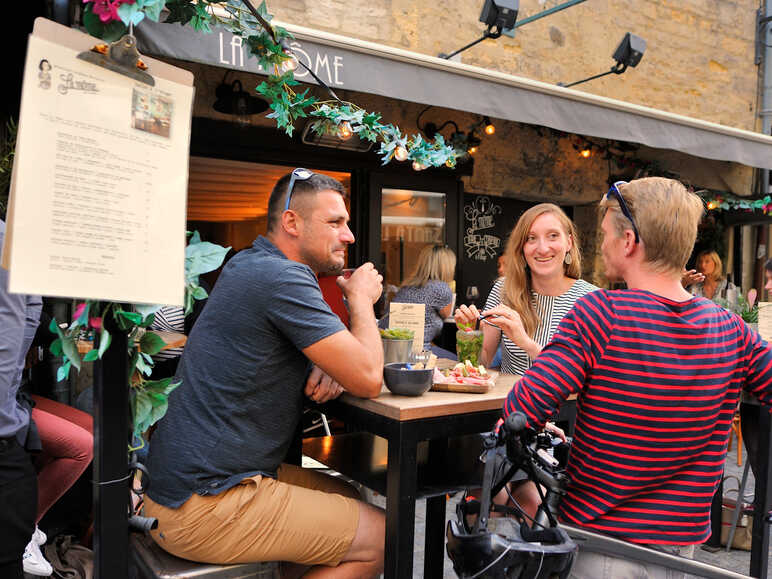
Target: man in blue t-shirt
{"points": [[266, 338]]}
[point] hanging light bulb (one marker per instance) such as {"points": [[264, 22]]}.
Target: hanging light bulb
{"points": [[489, 127], [344, 130], [472, 150], [241, 109], [400, 153], [585, 153], [712, 205], [418, 166]]}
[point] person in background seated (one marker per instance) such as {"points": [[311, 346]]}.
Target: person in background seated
{"points": [[265, 339], [657, 373], [18, 480], [714, 283], [428, 285], [501, 270]]}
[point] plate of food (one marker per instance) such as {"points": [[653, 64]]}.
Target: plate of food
{"points": [[463, 377]]}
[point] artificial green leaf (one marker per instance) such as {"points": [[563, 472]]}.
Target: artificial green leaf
{"points": [[145, 310], [70, 348], [132, 317], [151, 343], [194, 238], [104, 341], [203, 257], [164, 386], [180, 11], [200, 293], [63, 372], [153, 9], [143, 407], [91, 355], [130, 14], [143, 367], [56, 347]]}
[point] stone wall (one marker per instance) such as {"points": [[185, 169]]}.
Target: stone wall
{"points": [[698, 61]]}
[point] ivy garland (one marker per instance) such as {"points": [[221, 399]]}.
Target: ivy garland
{"points": [[109, 19], [726, 202]]}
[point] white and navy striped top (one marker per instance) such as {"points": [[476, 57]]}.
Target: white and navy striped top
{"points": [[549, 309], [169, 319]]}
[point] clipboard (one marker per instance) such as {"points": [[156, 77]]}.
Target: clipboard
{"points": [[121, 58]]}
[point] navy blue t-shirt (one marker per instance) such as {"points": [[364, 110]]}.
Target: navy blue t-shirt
{"points": [[243, 373]]}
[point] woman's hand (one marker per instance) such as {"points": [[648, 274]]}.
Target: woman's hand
{"points": [[691, 277], [466, 316], [510, 323]]}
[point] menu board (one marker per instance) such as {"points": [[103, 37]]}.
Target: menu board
{"points": [[97, 207], [409, 317], [487, 222]]}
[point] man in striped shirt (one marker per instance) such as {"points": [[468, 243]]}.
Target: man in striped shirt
{"points": [[657, 373]]}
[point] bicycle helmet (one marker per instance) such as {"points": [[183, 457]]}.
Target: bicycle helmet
{"points": [[491, 555], [509, 548]]}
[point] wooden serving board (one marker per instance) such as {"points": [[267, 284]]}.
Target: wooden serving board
{"points": [[470, 388]]}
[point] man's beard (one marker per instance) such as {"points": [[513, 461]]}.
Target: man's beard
{"points": [[330, 266]]}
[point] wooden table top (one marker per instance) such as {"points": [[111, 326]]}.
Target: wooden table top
{"points": [[432, 403]]}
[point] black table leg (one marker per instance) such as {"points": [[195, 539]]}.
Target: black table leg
{"points": [[434, 545], [401, 482], [434, 555]]}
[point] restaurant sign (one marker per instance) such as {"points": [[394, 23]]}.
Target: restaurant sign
{"points": [[226, 50]]}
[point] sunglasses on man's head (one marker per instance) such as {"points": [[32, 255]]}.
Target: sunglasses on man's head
{"points": [[298, 174], [614, 192]]}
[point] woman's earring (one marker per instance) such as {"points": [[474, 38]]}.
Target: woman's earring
{"points": [[567, 259]]}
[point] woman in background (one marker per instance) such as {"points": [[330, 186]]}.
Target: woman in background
{"points": [[714, 284], [540, 285], [429, 285]]}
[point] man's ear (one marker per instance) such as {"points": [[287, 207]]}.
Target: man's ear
{"points": [[291, 223], [630, 242]]}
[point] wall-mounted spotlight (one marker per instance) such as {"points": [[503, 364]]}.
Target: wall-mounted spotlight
{"points": [[628, 53], [497, 15]]}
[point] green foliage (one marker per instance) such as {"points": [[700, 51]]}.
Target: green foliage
{"points": [[267, 44], [148, 397]]}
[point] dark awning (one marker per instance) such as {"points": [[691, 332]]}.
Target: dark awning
{"points": [[358, 65]]}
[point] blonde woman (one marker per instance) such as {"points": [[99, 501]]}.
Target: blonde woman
{"points": [[540, 285], [715, 283], [428, 284]]}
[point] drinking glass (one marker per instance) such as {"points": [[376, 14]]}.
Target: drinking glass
{"points": [[472, 294]]}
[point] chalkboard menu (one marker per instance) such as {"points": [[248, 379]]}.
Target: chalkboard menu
{"points": [[486, 222]]}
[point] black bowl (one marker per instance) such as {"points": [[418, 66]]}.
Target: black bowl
{"points": [[407, 382]]}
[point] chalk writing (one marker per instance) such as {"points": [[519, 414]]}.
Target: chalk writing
{"points": [[478, 216]]}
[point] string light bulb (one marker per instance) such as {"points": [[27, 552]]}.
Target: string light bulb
{"points": [[344, 130], [489, 126], [472, 150], [712, 205], [418, 166], [585, 153], [291, 64], [400, 153]]}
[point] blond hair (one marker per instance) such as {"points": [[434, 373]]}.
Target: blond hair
{"points": [[666, 215], [435, 262], [517, 282], [718, 268]]}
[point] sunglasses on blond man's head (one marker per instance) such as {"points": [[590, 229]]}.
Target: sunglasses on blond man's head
{"points": [[298, 174], [614, 192]]}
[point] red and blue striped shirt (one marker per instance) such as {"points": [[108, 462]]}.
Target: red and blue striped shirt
{"points": [[657, 384]]}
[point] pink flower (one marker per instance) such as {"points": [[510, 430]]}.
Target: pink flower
{"points": [[107, 10], [94, 322]]}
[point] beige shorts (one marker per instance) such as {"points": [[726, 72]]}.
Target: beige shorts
{"points": [[305, 517]]}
